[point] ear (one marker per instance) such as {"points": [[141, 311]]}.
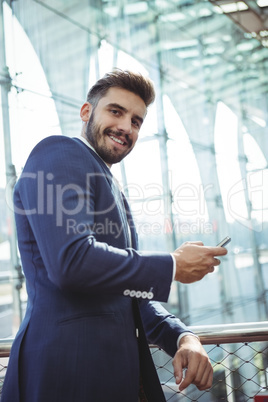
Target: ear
{"points": [[85, 111]]}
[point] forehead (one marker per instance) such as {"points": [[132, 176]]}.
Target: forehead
{"points": [[127, 99]]}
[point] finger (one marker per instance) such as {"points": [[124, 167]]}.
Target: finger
{"points": [[216, 262], [201, 376], [199, 274], [188, 379], [191, 243], [191, 372], [204, 374], [208, 383], [211, 268], [218, 250], [204, 381], [198, 243], [178, 371]]}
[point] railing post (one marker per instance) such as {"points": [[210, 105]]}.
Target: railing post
{"points": [[6, 83], [229, 381]]}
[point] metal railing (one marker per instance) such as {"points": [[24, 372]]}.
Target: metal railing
{"points": [[239, 355]]}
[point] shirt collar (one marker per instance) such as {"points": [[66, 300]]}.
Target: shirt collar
{"points": [[91, 147]]}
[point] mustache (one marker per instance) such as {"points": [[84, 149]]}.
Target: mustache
{"points": [[118, 134]]}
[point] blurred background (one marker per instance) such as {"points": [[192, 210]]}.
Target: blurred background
{"points": [[199, 170]]}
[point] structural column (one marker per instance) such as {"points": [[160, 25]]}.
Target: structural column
{"points": [[5, 83]]}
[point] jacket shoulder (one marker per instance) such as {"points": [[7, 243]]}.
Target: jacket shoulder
{"points": [[59, 150], [58, 141]]}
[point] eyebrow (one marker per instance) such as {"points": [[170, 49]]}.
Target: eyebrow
{"points": [[116, 105]]}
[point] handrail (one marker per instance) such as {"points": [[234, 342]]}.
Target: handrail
{"points": [[232, 333], [5, 346], [208, 334]]}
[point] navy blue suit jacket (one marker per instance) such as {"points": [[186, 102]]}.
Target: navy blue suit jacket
{"points": [[87, 289]]}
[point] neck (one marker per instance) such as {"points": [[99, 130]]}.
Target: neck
{"points": [[83, 134]]}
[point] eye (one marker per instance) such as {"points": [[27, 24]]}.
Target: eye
{"points": [[136, 123], [115, 112]]}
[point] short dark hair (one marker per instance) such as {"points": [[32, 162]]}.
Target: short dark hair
{"points": [[133, 82]]}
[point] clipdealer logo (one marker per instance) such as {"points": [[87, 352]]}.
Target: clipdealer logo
{"points": [[107, 227], [255, 188], [188, 202], [50, 198]]}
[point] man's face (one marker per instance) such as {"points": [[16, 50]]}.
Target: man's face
{"points": [[113, 125]]}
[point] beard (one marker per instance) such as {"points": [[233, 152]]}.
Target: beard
{"points": [[96, 138]]}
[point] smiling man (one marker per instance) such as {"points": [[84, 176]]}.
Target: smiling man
{"points": [[93, 299], [120, 114]]}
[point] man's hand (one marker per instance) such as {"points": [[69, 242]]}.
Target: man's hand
{"points": [[194, 261], [192, 356]]}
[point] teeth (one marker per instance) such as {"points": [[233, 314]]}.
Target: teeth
{"points": [[117, 140]]}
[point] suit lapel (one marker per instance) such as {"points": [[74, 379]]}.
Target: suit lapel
{"points": [[118, 195], [120, 200], [131, 224]]}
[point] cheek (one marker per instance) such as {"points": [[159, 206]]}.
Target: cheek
{"points": [[135, 138]]}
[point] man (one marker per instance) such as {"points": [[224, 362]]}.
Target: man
{"points": [[92, 298]]}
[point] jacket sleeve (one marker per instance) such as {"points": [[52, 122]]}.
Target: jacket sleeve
{"points": [[161, 327], [52, 190]]}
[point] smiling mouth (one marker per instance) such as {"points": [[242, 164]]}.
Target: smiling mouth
{"points": [[118, 140]]}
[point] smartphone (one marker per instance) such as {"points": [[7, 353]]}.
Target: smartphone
{"points": [[224, 242]]}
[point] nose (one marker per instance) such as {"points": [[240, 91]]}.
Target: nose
{"points": [[125, 125]]}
